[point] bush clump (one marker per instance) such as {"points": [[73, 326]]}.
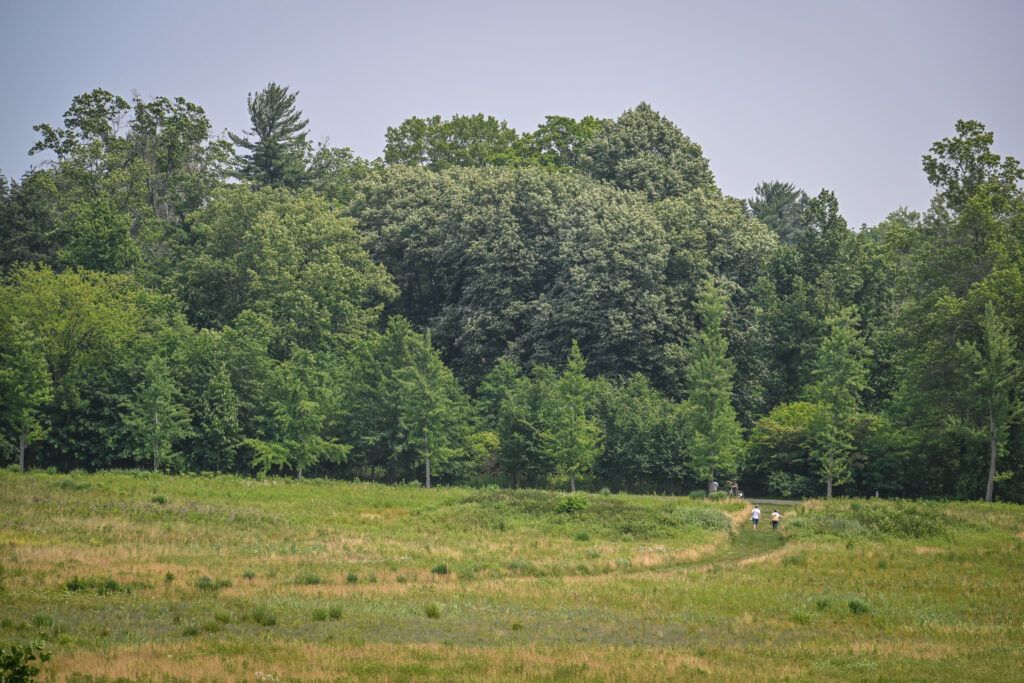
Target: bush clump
{"points": [[102, 586], [873, 518], [703, 518], [573, 503], [858, 606], [205, 583], [433, 611], [263, 616], [17, 662], [440, 570]]}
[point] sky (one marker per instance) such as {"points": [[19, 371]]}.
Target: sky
{"points": [[843, 95]]}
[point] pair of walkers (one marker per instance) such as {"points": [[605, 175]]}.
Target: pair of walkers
{"points": [[755, 517]]}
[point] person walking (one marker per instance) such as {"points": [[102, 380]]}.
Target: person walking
{"points": [[755, 516], [775, 520]]}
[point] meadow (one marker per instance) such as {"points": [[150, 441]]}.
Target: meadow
{"points": [[147, 577]]}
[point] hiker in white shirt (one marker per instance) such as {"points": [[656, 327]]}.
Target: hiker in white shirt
{"points": [[755, 516]]}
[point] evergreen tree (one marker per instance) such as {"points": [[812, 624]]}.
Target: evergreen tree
{"points": [[431, 409], [575, 439], [709, 418], [155, 418], [779, 205], [278, 153], [840, 377], [296, 403]]}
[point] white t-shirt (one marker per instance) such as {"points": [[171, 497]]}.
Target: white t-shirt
{"points": [[775, 516], [756, 514]]}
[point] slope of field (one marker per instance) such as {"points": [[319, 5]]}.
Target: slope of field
{"points": [[147, 577]]}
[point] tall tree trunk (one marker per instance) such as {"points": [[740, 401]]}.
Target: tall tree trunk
{"points": [[572, 482], [711, 482], [428, 472], [21, 451], [828, 490], [992, 457]]}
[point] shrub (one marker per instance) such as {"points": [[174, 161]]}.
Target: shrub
{"points": [[441, 569], [103, 586], [697, 494], [159, 500], [516, 626], [16, 662], [703, 518], [263, 616], [169, 577], [309, 580], [352, 577], [205, 583], [858, 607], [334, 612], [573, 503], [873, 518], [320, 614], [249, 575], [582, 536], [433, 611]]}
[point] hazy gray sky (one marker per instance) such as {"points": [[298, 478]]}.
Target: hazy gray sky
{"points": [[842, 95]]}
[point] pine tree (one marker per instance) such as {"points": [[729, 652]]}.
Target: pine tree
{"points": [[709, 419], [279, 153]]}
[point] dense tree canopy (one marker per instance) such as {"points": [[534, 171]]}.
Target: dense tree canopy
{"points": [[575, 305]]}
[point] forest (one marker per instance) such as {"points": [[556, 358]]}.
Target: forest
{"points": [[575, 306]]}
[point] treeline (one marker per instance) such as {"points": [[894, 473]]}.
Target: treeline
{"points": [[576, 305]]}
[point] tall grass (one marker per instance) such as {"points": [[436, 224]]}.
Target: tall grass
{"points": [[496, 585]]}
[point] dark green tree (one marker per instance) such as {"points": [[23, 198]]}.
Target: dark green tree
{"points": [[644, 151], [275, 151], [779, 205]]}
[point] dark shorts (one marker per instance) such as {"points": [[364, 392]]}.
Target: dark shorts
{"points": [[755, 521], [774, 524]]}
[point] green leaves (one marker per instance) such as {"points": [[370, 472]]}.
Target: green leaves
{"points": [[709, 418], [278, 153]]}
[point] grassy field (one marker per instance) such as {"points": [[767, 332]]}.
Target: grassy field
{"points": [[136, 576]]}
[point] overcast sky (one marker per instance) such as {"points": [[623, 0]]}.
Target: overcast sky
{"points": [[821, 93]]}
